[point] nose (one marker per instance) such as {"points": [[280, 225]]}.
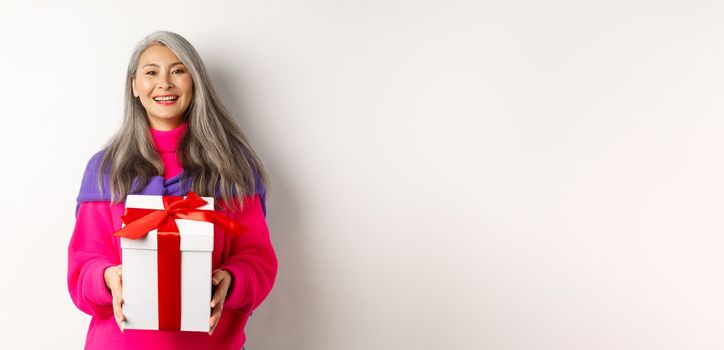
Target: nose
{"points": [[164, 81]]}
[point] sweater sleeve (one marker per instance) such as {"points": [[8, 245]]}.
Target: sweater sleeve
{"points": [[252, 261], [90, 252]]}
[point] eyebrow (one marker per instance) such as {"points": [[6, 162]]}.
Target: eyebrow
{"points": [[155, 65]]}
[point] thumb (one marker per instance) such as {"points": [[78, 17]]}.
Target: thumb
{"points": [[216, 277]]}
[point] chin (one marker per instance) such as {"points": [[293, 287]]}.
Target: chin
{"points": [[167, 116]]}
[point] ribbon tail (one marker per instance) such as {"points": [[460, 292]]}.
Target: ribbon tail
{"points": [[230, 227], [169, 281]]}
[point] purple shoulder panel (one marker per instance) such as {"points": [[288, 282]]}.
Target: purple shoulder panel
{"points": [[157, 185]]}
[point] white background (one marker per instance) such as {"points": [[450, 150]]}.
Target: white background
{"points": [[445, 174]]}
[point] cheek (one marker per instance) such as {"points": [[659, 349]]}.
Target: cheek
{"points": [[186, 84], [143, 86]]}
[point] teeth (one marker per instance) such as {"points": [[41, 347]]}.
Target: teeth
{"points": [[170, 98]]}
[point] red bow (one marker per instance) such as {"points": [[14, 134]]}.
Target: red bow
{"points": [[140, 221]]}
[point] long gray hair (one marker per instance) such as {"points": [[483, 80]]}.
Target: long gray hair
{"points": [[213, 151]]}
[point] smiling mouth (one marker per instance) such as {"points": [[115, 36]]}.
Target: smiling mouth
{"points": [[166, 100]]}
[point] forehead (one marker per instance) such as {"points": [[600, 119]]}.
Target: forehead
{"points": [[158, 55]]}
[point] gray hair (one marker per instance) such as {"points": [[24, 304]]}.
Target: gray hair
{"points": [[214, 151]]}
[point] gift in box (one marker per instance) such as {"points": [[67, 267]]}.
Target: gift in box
{"points": [[151, 286]]}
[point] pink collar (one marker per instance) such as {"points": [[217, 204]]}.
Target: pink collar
{"points": [[168, 140]]}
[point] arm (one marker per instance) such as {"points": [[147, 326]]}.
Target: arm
{"points": [[90, 252], [252, 261]]}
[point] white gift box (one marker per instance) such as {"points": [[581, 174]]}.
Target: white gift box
{"points": [[140, 272]]}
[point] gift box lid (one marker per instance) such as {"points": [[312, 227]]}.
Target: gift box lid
{"points": [[195, 235]]}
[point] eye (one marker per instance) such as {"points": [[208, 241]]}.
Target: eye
{"points": [[149, 72], [179, 70]]}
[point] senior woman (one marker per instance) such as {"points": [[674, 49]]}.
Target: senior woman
{"points": [[175, 137]]}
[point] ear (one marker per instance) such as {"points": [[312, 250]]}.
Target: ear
{"points": [[133, 86]]}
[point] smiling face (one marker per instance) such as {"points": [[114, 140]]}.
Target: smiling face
{"points": [[164, 87]]}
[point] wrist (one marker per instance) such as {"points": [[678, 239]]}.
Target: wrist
{"points": [[105, 277], [108, 274]]}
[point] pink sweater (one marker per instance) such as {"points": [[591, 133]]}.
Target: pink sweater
{"points": [[250, 258]]}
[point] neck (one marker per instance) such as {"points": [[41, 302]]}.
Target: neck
{"points": [[167, 143], [163, 124]]}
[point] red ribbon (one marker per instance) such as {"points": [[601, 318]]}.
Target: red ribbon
{"points": [[140, 221]]}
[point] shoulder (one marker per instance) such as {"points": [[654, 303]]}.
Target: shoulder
{"points": [[89, 190], [94, 161], [250, 158], [93, 165], [259, 191], [259, 187]]}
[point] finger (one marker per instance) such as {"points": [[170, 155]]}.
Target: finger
{"points": [[217, 277], [215, 316], [118, 312], [117, 293], [225, 283], [212, 325], [121, 319], [120, 308], [219, 296]]}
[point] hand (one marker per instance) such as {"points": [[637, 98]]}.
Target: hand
{"points": [[221, 279], [114, 276]]}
